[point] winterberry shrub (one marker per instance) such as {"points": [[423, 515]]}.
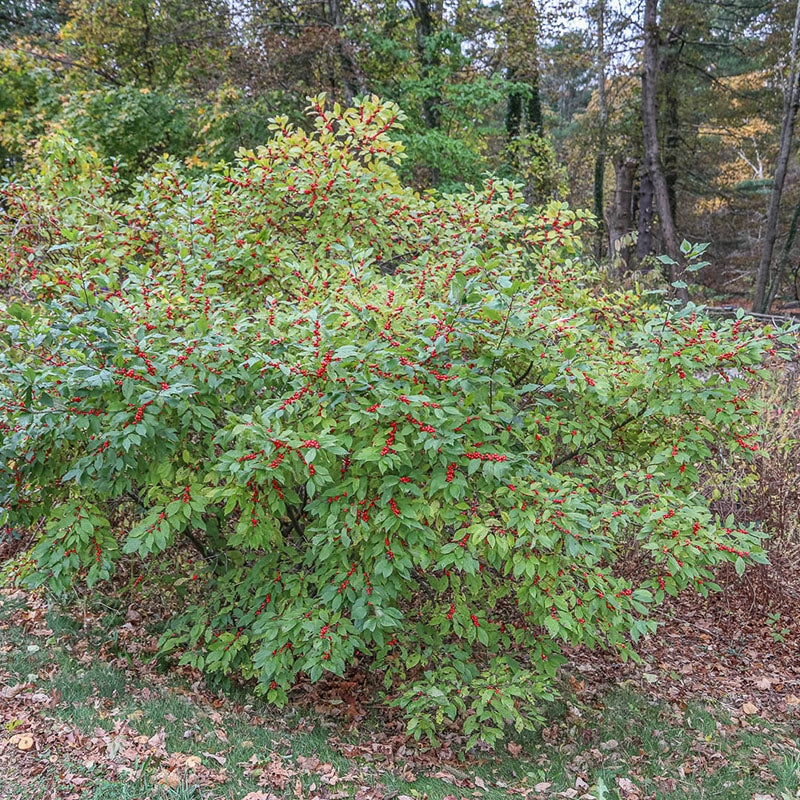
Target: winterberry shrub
{"points": [[401, 431]]}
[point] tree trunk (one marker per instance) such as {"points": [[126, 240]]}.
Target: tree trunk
{"points": [[352, 77], [147, 49], [534, 121], [522, 25], [791, 100], [620, 215], [425, 28], [513, 114], [783, 261], [600, 158], [652, 160], [599, 203], [644, 242], [669, 66]]}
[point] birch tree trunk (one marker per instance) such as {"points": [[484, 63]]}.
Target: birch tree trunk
{"points": [[791, 100]]}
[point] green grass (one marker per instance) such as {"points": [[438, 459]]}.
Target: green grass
{"points": [[666, 751], [142, 789]]}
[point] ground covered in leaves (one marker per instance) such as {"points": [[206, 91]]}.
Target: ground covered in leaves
{"points": [[712, 711]]}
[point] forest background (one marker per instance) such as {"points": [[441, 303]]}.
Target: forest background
{"points": [[683, 133]]}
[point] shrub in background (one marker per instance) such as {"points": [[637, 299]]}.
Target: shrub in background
{"points": [[28, 98], [765, 489], [400, 431]]}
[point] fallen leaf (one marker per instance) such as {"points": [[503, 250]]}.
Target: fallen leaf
{"points": [[793, 700], [193, 762], [221, 735], [542, 787], [22, 741], [479, 782], [275, 773], [749, 708], [259, 796], [308, 763], [666, 784], [764, 683], [514, 748], [171, 779], [216, 757], [626, 786], [158, 742], [611, 744]]}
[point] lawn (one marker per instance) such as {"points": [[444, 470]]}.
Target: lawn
{"points": [[87, 715]]}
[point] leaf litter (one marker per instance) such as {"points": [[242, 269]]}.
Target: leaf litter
{"points": [[720, 650]]}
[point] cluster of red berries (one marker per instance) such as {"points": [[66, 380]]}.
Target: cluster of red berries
{"points": [[474, 455], [323, 368], [729, 549], [424, 428], [387, 448], [137, 417], [295, 397], [250, 456]]}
